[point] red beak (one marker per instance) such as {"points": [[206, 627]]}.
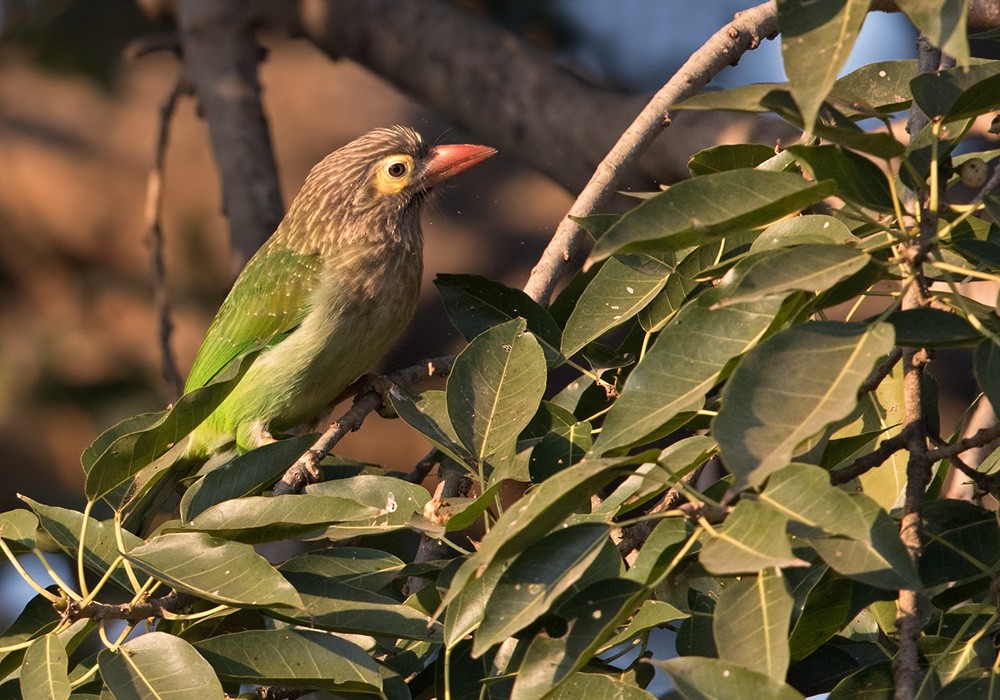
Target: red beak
{"points": [[447, 161]]}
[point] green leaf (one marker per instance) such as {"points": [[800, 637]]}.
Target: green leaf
{"points": [[467, 607], [943, 22], [536, 514], [651, 615], [591, 617], [427, 413], [396, 500], [958, 93], [332, 604], [476, 304], [696, 211], [564, 443], [595, 686], [800, 230], [258, 519], [932, 328], [158, 665], [883, 86], [128, 452], [816, 40], [661, 552], [38, 618], [766, 414], [218, 570], [495, 387], [361, 567], [245, 475], [828, 607], [17, 529], [683, 364], [718, 159], [803, 493], [559, 562], [713, 679], [858, 179], [100, 546], [746, 98], [961, 540], [880, 560], [752, 539], [43, 671], [751, 623], [618, 291], [808, 268], [870, 683], [292, 658]]}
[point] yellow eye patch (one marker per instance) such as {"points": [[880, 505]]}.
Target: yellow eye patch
{"points": [[394, 174]]}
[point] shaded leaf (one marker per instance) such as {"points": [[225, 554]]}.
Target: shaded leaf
{"points": [[396, 501], [158, 665], [652, 614], [987, 369], [803, 492], [932, 328], [958, 93], [495, 387], [595, 686], [17, 529], [883, 86], [696, 211], [828, 607], [943, 22], [218, 570], [765, 415], [858, 179], [661, 552], [799, 230], [870, 683], [718, 159], [43, 671], [751, 623], [427, 413], [292, 658], [752, 538], [961, 540]]}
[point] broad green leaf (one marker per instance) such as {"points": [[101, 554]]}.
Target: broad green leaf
{"points": [[981, 683], [958, 93], [564, 444], [132, 424], [960, 539], [596, 686], [100, 546], [43, 671], [126, 454], [831, 604], [880, 560], [719, 159], [292, 658], [361, 567], [38, 618], [476, 304], [396, 500], [536, 514], [662, 551], [943, 22], [619, 290], [559, 562], [225, 572], [714, 679], [495, 387], [331, 604], [467, 608], [746, 98], [683, 364], [987, 369], [870, 683], [752, 539], [803, 493], [882, 412], [17, 529], [258, 519], [799, 230], [465, 514], [158, 665], [816, 40], [751, 623], [591, 617], [245, 475], [767, 414], [696, 211], [427, 413], [652, 614], [882, 86], [809, 268], [932, 328], [858, 179]]}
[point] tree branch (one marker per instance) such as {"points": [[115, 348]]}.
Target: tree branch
{"points": [[155, 607], [886, 449], [221, 55]]}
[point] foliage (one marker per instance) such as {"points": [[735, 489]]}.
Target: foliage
{"points": [[703, 335]]}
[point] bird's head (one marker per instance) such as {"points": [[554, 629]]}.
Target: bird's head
{"points": [[375, 184]]}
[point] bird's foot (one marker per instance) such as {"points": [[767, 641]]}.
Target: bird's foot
{"points": [[382, 386], [260, 435]]}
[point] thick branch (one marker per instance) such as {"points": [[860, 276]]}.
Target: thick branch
{"points": [[155, 607], [886, 449], [221, 55]]}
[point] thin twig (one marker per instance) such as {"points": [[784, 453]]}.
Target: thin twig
{"points": [[983, 436], [172, 602], [153, 216], [886, 449], [880, 372], [634, 536], [724, 48]]}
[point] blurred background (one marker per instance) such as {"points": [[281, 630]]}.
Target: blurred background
{"points": [[79, 349]]}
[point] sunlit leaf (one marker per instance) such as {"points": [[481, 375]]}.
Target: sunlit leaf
{"points": [[43, 672], [158, 665], [751, 623], [712, 679], [752, 539]]}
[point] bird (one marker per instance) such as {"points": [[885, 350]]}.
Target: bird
{"points": [[325, 296], [329, 292]]}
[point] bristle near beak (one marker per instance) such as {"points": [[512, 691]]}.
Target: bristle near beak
{"points": [[449, 160]]}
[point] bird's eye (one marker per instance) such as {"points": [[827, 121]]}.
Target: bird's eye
{"points": [[396, 169]]}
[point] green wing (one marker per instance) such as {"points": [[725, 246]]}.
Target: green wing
{"points": [[269, 299]]}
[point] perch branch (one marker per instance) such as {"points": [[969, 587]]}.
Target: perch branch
{"points": [[155, 607]]}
